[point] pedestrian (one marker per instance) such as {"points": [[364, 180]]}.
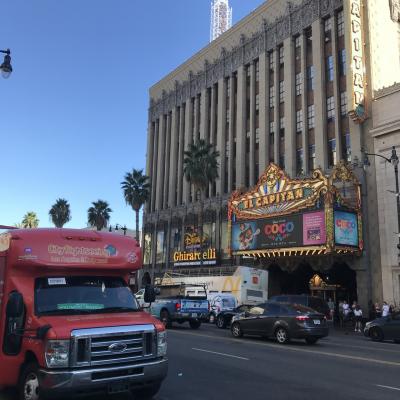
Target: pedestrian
{"points": [[385, 309], [354, 305], [358, 318], [371, 311], [331, 306], [378, 311]]}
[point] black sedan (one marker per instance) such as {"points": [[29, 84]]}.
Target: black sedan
{"points": [[385, 328], [283, 321], [225, 317]]}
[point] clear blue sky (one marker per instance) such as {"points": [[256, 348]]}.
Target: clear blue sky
{"points": [[74, 111]]}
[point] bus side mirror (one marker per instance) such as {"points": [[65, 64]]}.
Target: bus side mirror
{"points": [[15, 305], [149, 294]]}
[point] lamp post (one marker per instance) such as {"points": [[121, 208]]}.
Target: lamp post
{"points": [[117, 227], [6, 67], [394, 160]]}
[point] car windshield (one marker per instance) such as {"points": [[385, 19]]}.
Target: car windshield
{"points": [[228, 303], [82, 295]]}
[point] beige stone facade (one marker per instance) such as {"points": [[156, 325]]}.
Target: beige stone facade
{"points": [[294, 83]]}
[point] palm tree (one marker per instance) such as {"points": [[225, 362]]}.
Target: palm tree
{"points": [[136, 190], [200, 167], [60, 213], [30, 220], [99, 214]]}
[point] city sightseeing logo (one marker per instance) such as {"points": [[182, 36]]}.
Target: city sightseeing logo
{"points": [[77, 251], [279, 232]]}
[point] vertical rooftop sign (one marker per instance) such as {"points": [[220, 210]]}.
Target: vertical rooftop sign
{"points": [[356, 76]]}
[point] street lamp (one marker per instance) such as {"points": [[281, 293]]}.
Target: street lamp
{"points": [[394, 160], [117, 227], [6, 67]]}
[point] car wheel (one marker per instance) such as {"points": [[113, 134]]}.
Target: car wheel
{"points": [[221, 324], [281, 335], [236, 330], [29, 387], [147, 393], [165, 318], [311, 340], [211, 320], [194, 323], [376, 334]]}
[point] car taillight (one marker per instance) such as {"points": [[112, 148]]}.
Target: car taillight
{"points": [[177, 306], [302, 318]]}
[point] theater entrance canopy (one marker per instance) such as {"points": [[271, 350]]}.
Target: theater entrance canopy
{"points": [[284, 217]]}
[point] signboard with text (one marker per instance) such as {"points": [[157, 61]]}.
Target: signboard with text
{"points": [[346, 228], [281, 232]]}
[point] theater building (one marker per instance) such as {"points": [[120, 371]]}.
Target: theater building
{"points": [[292, 91]]}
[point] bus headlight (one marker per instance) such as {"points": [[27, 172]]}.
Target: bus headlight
{"points": [[57, 353], [162, 343]]}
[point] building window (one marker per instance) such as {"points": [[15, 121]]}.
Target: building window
{"points": [[299, 161], [330, 108], [281, 92], [257, 102], [343, 103], [281, 55], [257, 67], [311, 157], [228, 87], [248, 71], [282, 127], [282, 161], [342, 62], [331, 152], [328, 24], [271, 96], [271, 61], [227, 149], [310, 77], [228, 117], [299, 82], [340, 23], [329, 68], [346, 147], [299, 121], [257, 135], [272, 127], [311, 116], [297, 41]]}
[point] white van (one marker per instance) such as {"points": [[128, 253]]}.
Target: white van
{"points": [[220, 302]]}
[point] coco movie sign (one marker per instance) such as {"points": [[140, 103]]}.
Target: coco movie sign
{"points": [[357, 111]]}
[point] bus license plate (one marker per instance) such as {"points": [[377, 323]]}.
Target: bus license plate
{"points": [[317, 322]]}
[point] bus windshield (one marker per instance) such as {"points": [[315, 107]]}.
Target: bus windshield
{"points": [[82, 295]]}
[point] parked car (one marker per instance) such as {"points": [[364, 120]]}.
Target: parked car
{"points": [[316, 303], [385, 328], [225, 317], [181, 303], [219, 303], [283, 321]]}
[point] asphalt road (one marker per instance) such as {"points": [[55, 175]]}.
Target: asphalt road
{"points": [[208, 364]]}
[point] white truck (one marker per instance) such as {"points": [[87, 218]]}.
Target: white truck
{"points": [[248, 285]]}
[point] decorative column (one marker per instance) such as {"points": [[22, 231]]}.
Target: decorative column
{"points": [[241, 128], [264, 111], [181, 149], [321, 146], [221, 134], [172, 187], [252, 123]]}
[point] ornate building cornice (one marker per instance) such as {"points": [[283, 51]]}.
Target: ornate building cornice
{"points": [[270, 35]]}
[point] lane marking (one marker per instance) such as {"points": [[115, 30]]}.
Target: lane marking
{"points": [[221, 354], [288, 348], [388, 387]]}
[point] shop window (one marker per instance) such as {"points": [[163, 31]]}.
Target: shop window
{"points": [[311, 116]]}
